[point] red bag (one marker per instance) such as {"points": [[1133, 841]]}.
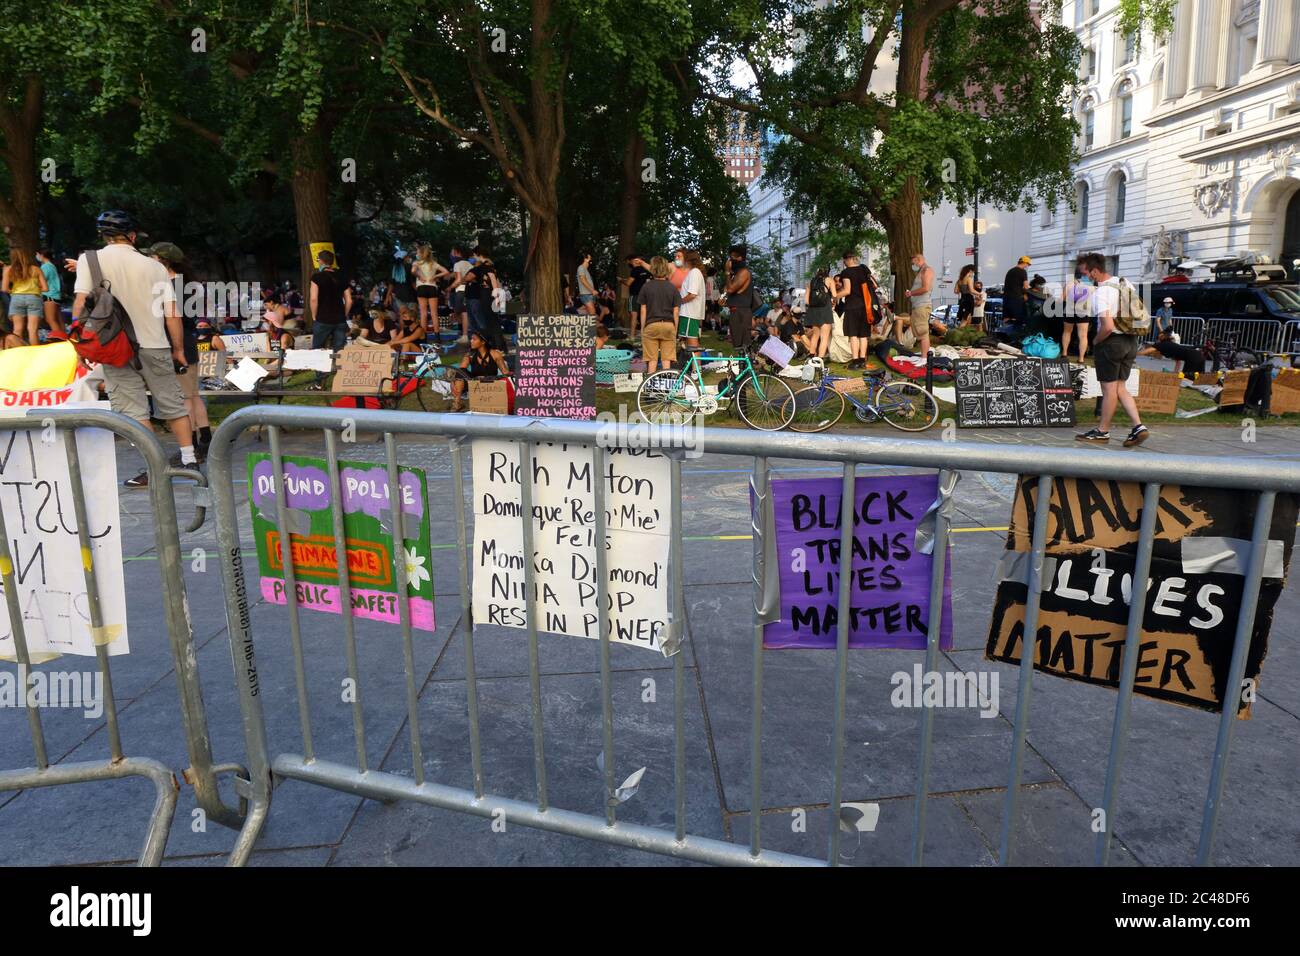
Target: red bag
{"points": [[102, 332]]}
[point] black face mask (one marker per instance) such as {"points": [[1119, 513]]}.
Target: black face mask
{"points": [[737, 264]]}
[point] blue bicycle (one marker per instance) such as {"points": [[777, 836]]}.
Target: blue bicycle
{"points": [[904, 405]]}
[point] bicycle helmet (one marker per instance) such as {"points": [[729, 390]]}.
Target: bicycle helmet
{"points": [[115, 222]]}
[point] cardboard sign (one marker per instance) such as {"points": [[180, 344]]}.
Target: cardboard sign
{"points": [[849, 384], [1234, 388], [245, 343], [563, 599], [777, 351], [1286, 392], [212, 363], [628, 383], [490, 398], [1014, 393], [369, 530], [1197, 573], [557, 366], [1159, 392], [363, 371], [36, 495], [246, 375], [890, 580], [1207, 378], [316, 360]]}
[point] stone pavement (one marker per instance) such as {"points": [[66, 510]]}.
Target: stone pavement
{"points": [[1159, 815]]}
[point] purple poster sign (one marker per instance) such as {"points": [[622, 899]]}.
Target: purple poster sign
{"points": [[889, 606]]}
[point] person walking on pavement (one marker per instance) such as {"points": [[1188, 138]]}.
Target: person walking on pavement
{"points": [[142, 287], [1120, 317]]}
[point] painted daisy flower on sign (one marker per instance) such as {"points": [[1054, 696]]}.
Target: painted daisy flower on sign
{"points": [[416, 572]]}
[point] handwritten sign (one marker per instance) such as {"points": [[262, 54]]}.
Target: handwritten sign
{"points": [[1158, 393], [1286, 392], [889, 579], [212, 363], [1235, 384], [629, 382], [1014, 393], [1189, 619], [557, 366], [490, 398], [566, 587], [363, 371], [370, 529], [245, 343], [36, 496]]}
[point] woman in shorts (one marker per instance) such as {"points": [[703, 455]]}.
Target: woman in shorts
{"points": [[25, 283], [819, 318]]}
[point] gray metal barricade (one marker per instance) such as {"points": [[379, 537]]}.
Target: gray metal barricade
{"points": [[1258, 335], [1291, 338], [267, 770], [202, 773], [1189, 328]]}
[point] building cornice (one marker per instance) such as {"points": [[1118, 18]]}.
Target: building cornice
{"points": [[1229, 142], [1185, 106]]}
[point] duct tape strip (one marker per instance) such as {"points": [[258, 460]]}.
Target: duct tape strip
{"points": [[1228, 556], [1014, 566], [941, 505], [671, 642], [105, 635], [767, 581]]}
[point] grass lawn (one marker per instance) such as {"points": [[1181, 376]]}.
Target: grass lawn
{"points": [[607, 400]]}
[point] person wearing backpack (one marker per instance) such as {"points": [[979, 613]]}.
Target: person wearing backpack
{"points": [[1122, 321], [140, 286], [819, 320]]}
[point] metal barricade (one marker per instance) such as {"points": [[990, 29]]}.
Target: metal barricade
{"points": [[1291, 338], [1258, 335], [1190, 330], [267, 770], [202, 773]]}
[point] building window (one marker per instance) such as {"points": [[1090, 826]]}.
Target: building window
{"points": [[1091, 59], [1083, 193], [1089, 124], [1126, 112], [1128, 48], [1119, 198]]}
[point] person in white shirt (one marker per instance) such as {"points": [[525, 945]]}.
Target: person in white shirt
{"points": [[693, 290], [141, 285]]}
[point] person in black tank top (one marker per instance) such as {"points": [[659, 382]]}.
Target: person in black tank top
{"points": [[479, 362]]}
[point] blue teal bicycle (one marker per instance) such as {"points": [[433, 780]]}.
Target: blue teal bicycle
{"points": [[904, 405]]}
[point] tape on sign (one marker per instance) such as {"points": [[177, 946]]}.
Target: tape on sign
{"points": [[103, 636], [1014, 566], [942, 505], [1228, 556]]}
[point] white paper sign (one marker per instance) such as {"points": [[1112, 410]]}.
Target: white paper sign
{"points": [[628, 383], [638, 515], [319, 360], [777, 351], [242, 343], [40, 517], [1092, 387], [246, 375]]}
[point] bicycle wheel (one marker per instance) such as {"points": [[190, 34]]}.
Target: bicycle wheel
{"points": [[765, 403], [816, 409], [907, 406], [438, 387], [667, 398]]}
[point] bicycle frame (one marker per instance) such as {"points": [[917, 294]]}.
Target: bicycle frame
{"points": [[693, 364]]}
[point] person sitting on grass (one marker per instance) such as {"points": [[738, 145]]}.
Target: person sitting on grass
{"points": [[411, 332], [479, 362]]}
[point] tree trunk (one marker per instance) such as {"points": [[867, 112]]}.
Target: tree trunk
{"points": [[629, 212], [544, 294], [902, 222], [311, 207], [18, 127]]}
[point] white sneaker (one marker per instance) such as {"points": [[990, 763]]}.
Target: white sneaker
{"points": [[463, 340]]}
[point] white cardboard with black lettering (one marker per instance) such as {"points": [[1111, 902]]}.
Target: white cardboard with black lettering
{"points": [[40, 516], [638, 516]]}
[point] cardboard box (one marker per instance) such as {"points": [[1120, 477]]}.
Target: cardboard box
{"points": [[490, 398], [1158, 392], [1234, 388], [1286, 392]]}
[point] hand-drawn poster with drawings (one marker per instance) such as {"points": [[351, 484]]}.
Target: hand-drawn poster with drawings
{"points": [[563, 599], [1014, 393]]}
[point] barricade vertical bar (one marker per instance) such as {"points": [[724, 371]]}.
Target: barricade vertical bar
{"points": [[1128, 676], [20, 644], [290, 589], [395, 500], [677, 628], [345, 593], [848, 491], [1028, 644], [760, 487], [1236, 670], [602, 623], [466, 614], [93, 607], [534, 670], [938, 568]]}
